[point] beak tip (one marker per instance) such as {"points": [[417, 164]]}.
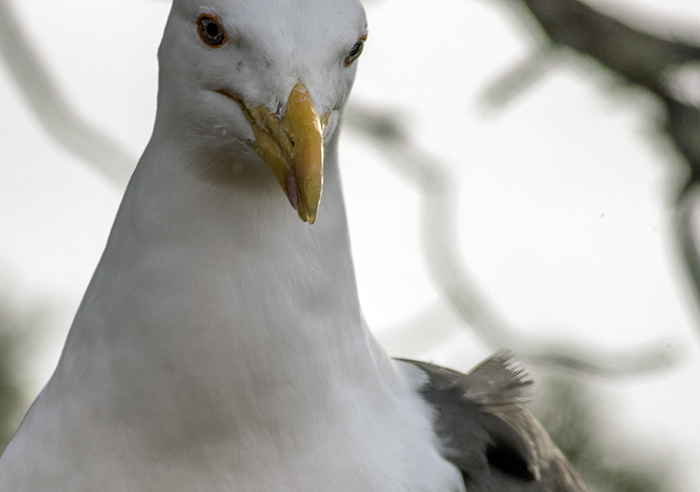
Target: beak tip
{"points": [[311, 217], [307, 214]]}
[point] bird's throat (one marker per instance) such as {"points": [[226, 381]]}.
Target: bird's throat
{"points": [[220, 286]]}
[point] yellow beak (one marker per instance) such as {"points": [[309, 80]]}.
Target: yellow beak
{"points": [[292, 146]]}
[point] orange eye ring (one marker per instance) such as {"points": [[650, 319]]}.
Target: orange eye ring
{"points": [[355, 51], [211, 31]]}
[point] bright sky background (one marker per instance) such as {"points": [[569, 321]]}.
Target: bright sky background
{"points": [[564, 215]]}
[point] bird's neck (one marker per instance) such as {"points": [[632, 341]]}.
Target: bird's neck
{"points": [[215, 285]]}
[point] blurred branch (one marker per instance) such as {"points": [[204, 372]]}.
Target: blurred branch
{"points": [[65, 126], [639, 58], [686, 238], [664, 67], [430, 176], [521, 77]]}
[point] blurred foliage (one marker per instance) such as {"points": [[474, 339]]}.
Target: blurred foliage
{"points": [[572, 413], [10, 393], [16, 325]]}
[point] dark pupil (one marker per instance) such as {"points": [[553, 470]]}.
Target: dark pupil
{"points": [[211, 32], [355, 49]]}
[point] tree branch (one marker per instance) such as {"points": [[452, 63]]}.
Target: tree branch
{"points": [[64, 125], [445, 265], [646, 61]]}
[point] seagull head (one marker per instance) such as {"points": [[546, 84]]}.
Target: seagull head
{"points": [[263, 82]]}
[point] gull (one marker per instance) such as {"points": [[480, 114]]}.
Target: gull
{"points": [[220, 344]]}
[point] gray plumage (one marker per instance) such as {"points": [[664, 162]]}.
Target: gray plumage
{"points": [[485, 430]]}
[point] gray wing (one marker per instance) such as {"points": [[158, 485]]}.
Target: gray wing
{"points": [[485, 431]]}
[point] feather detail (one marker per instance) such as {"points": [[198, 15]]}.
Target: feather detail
{"points": [[499, 381], [484, 429]]}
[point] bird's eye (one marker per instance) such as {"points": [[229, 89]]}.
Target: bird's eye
{"points": [[211, 31], [355, 51]]}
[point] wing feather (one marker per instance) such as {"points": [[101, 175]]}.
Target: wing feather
{"points": [[485, 430]]}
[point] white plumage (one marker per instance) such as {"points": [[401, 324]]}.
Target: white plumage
{"points": [[220, 345]]}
